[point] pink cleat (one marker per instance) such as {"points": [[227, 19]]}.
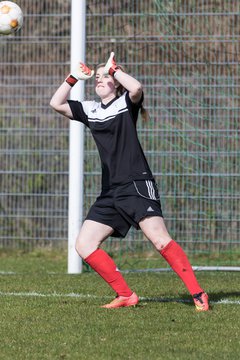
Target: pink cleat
{"points": [[201, 301], [122, 301]]}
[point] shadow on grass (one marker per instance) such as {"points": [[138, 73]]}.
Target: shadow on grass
{"points": [[187, 300]]}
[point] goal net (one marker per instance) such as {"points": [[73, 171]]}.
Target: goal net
{"points": [[186, 53]]}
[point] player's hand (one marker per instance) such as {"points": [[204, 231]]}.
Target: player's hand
{"points": [[82, 72], [111, 66]]}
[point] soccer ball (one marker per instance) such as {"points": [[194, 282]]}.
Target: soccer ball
{"points": [[11, 17]]}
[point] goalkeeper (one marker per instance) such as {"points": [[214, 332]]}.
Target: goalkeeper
{"points": [[129, 195]]}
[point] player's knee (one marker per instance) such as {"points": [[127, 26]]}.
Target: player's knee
{"points": [[79, 246], [85, 246], [161, 242]]}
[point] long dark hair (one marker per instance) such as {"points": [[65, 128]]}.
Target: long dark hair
{"points": [[121, 90]]}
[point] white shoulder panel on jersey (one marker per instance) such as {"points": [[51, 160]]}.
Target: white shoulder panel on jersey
{"points": [[97, 113], [89, 106]]}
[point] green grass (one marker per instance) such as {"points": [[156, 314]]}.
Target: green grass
{"points": [[165, 325]]}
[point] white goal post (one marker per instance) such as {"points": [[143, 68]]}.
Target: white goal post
{"points": [[76, 141]]}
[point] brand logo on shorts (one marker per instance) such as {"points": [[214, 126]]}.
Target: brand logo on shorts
{"points": [[150, 209]]}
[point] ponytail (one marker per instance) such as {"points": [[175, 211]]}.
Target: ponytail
{"points": [[144, 114]]}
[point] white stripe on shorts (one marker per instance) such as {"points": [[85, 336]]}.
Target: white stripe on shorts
{"points": [[151, 191]]}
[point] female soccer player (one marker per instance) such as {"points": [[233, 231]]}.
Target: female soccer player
{"points": [[129, 194]]}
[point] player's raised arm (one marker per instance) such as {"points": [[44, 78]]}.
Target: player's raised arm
{"points": [[128, 82], [59, 100], [60, 97]]}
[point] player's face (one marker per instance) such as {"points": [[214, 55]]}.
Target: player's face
{"points": [[104, 84]]}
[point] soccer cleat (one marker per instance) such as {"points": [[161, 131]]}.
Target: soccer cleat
{"points": [[201, 301], [122, 301]]}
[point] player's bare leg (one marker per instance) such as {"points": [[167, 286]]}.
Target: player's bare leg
{"points": [[90, 237]]}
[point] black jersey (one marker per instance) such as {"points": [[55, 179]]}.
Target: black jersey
{"points": [[113, 127]]}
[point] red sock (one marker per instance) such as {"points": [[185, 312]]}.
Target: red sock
{"points": [[104, 265], [177, 259]]}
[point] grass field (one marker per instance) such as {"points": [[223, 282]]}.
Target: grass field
{"points": [[47, 314]]}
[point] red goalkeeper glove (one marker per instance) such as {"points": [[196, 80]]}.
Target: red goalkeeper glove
{"points": [[82, 72], [111, 66]]}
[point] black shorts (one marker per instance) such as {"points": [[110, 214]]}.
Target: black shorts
{"points": [[126, 205]]}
